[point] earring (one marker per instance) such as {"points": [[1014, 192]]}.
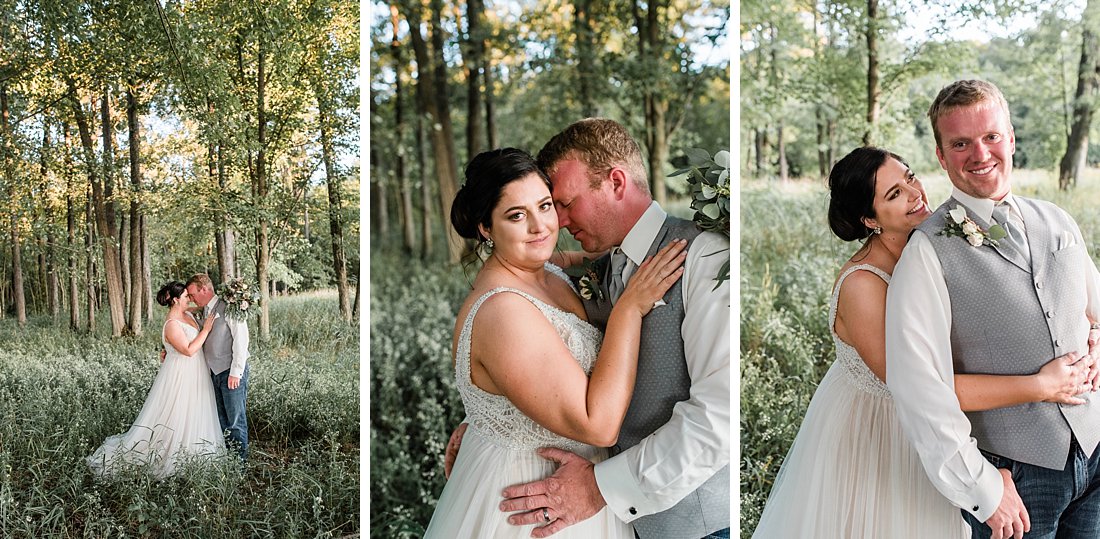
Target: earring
{"points": [[485, 249], [877, 230]]}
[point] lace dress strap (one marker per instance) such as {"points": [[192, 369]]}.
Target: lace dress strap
{"points": [[494, 414], [462, 354], [840, 282], [560, 273], [857, 370]]}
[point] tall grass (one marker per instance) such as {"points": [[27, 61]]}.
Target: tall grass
{"points": [[62, 393], [789, 261], [414, 404]]}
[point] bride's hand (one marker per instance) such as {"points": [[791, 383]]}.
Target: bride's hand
{"points": [[1064, 377], [209, 322], [654, 277]]}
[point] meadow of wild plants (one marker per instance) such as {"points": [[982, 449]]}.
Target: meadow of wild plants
{"points": [[62, 393], [414, 404], [789, 260]]}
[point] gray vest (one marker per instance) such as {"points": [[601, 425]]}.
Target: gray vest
{"points": [[218, 347], [1011, 318], [662, 382]]}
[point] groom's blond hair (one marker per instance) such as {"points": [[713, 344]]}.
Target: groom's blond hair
{"points": [[600, 144], [201, 279]]}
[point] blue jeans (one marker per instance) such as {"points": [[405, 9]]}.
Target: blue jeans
{"points": [[1062, 504], [231, 415]]}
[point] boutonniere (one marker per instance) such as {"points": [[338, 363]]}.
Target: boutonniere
{"points": [[958, 224], [589, 282]]}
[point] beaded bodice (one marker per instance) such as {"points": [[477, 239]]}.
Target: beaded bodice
{"points": [[494, 415], [858, 373]]}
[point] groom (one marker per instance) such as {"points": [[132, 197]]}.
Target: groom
{"points": [[995, 309], [669, 472], [226, 351]]}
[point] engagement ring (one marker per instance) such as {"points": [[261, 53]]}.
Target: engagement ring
{"points": [[545, 514]]}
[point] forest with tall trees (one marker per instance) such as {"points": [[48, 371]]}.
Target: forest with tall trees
{"points": [[143, 141]]}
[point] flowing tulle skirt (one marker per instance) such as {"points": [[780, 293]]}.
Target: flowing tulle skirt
{"points": [[469, 504], [851, 473], [178, 423]]}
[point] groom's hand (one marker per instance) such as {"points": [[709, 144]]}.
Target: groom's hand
{"points": [[233, 382], [451, 453], [1094, 355], [1010, 519], [569, 496]]}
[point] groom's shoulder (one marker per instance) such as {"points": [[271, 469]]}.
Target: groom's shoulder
{"points": [[937, 219], [1042, 205]]}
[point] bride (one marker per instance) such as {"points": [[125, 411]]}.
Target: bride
{"points": [[851, 472], [179, 420], [531, 371]]}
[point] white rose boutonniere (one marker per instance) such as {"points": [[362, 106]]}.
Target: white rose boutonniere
{"points": [[958, 224]]}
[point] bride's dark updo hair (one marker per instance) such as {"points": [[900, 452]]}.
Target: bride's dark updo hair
{"points": [[486, 175], [852, 191], [170, 292]]}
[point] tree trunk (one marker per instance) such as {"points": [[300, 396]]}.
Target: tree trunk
{"points": [[822, 143], [103, 212], [20, 300], [425, 190], [146, 272], [490, 108], [89, 249], [137, 270], [124, 263], [1084, 99], [335, 207], [473, 62], [784, 173], [53, 291], [586, 55], [408, 221], [872, 73], [70, 229], [650, 45], [263, 253], [433, 92]]}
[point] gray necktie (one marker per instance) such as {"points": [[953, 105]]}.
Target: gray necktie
{"points": [[1015, 237], [618, 263]]}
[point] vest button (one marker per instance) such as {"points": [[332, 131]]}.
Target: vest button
{"points": [[1050, 314], [1057, 343], [1039, 284]]}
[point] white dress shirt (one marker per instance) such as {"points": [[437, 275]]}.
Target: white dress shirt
{"points": [[678, 457], [239, 330], [920, 372]]}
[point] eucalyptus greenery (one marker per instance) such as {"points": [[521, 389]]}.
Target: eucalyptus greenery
{"points": [[708, 180]]}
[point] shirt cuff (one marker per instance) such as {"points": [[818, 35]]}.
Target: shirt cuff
{"points": [[615, 481], [984, 499]]}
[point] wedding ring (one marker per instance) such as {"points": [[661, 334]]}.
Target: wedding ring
{"points": [[545, 514]]}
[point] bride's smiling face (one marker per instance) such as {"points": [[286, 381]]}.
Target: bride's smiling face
{"points": [[900, 201], [524, 223]]}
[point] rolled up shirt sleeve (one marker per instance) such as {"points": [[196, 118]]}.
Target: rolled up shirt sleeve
{"points": [[920, 375], [239, 330], [694, 444]]}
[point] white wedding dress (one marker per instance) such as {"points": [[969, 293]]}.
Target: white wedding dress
{"points": [[851, 473], [178, 422], [498, 449]]}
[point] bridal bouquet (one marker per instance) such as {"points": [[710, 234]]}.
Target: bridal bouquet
{"points": [[709, 187], [241, 300]]}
